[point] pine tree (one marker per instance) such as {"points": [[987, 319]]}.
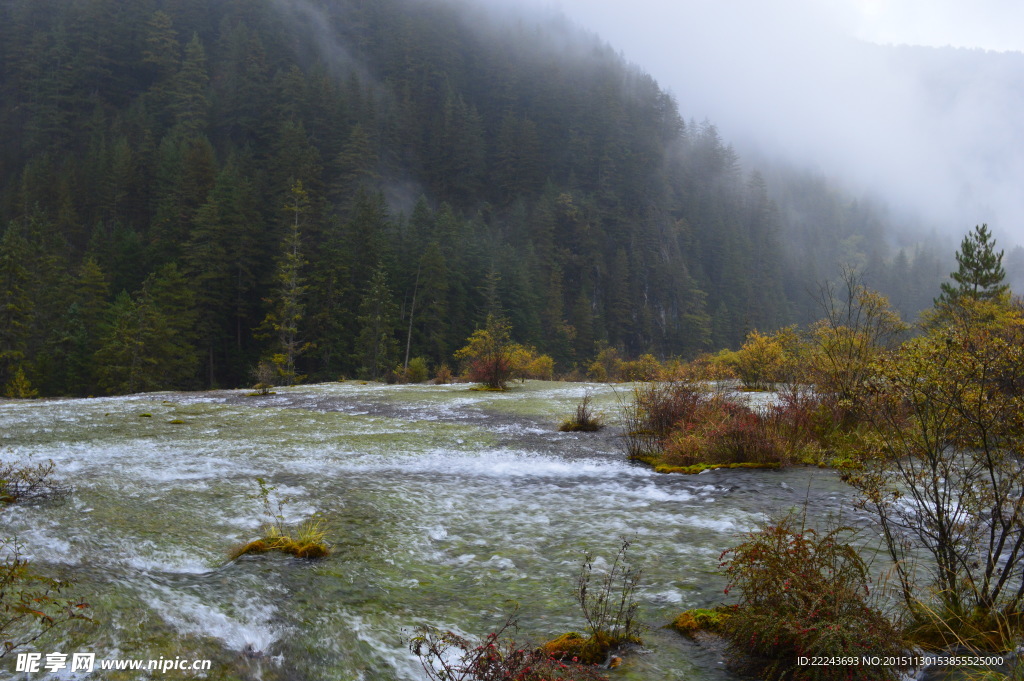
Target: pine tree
{"points": [[433, 306], [288, 303], [119, 358], [332, 300], [76, 338], [355, 167], [376, 346], [980, 274], [161, 51], [149, 343], [189, 99], [16, 304], [221, 257]]}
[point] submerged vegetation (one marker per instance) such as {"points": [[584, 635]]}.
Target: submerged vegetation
{"points": [[31, 604]]}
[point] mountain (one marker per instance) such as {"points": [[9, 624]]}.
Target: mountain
{"points": [[190, 186]]}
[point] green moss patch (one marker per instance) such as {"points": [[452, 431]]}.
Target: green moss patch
{"points": [[699, 467], [311, 550], [701, 619], [574, 647]]}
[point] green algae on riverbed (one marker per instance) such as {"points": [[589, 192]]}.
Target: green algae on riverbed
{"points": [[439, 504]]}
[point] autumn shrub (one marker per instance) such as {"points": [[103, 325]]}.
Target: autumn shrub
{"points": [[684, 426], [540, 367], [446, 656], [493, 371], [643, 368], [859, 327], [725, 360], [608, 606], [766, 360], [813, 429], [944, 469], [266, 377], [19, 386], [416, 371], [724, 432], [804, 594], [443, 374], [490, 355], [606, 367], [585, 419]]}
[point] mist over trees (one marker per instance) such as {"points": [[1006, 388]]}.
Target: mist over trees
{"points": [[188, 188]]}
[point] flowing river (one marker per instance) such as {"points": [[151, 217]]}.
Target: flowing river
{"points": [[440, 504]]}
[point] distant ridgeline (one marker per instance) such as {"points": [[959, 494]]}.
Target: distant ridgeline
{"points": [[187, 187]]}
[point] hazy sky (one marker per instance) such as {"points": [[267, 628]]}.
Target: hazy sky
{"points": [[798, 79], [988, 24]]}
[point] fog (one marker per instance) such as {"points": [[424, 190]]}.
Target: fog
{"points": [[935, 132]]}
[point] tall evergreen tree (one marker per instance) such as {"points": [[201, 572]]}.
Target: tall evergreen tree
{"points": [[287, 306], [16, 304], [189, 100], [149, 343], [221, 257], [376, 346], [980, 274]]}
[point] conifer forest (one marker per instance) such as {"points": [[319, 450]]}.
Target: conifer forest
{"points": [[188, 188]]}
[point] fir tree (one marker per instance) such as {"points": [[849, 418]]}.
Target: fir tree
{"points": [[189, 97], [288, 303], [149, 344], [16, 304], [377, 347]]}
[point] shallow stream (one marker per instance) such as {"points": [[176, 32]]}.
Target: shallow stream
{"points": [[440, 504]]}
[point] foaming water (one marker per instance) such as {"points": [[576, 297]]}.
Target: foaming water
{"points": [[440, 503]]}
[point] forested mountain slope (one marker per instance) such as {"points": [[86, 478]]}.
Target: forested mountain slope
{"points": [[188, 186]]}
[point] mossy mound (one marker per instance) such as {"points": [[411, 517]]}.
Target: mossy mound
{"points": [[701, 619], [574, 647], [310, 550], [700, 467], [575, 427]]}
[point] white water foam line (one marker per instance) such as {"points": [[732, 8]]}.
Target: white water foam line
{"points": [[492, 463], [250, 628]]}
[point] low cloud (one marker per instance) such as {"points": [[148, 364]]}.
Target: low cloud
{"points": [[935, 132]]}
